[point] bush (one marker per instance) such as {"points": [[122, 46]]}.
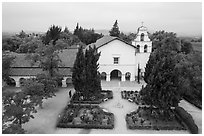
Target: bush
{"points": [[187, 119]]}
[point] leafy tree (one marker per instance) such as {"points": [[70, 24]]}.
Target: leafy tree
{"points": [[163, 89], [50, 85], [17, 109], [7, 61], [11, 43], [128, 38], [53, 34], [86, 36], [115, 30], [78, 73], [47, 57], [22, 34], [35, 90], [30, 46], [186, 47]]}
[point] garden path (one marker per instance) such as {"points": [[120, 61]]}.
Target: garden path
{"points": [[46, 118]]}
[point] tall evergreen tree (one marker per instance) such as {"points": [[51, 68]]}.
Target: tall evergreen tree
{"points": [[93, 84], [115, 30], [78, 73]]}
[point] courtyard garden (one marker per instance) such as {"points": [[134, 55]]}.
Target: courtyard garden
{"points": [[85, 116]]}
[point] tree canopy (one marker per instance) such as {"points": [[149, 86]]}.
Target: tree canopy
{"points": [[115, 30]]}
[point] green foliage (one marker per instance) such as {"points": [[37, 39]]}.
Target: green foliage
{"points": [[93, 83], [53, 34], [172, 71], [29, 46], [85, 76], [17, 107], [78, 73], [86, 36], [115, 30], [7, 60], [47, 57], [50, 85], [11, 43], [35, 90], [128, 38], [13, 129], [186, 47]]}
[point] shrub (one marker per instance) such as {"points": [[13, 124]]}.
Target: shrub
{"points": [[187, 118]]}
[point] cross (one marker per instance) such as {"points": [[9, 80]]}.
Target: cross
{"points": [[142, 23]]}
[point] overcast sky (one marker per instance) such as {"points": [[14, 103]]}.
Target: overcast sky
{"points": [[182, 18]]}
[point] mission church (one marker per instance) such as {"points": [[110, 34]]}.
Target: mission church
{"points": [[119, 60]]}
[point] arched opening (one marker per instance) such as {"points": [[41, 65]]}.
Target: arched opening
{"points": [[145, 48], [142, 37], [138, 48], [115, 75], [127, 76], [11, 82], [103, 76], [22, 81], [68, 81]]}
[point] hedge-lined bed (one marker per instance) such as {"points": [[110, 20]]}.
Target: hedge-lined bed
{"points": [[142, 119], [132, 96], [105, 95], [85, 116]]}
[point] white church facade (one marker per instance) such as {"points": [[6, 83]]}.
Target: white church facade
{"points": [[121, 60]]}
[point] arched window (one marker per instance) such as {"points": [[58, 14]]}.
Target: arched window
{"points": [[142, 37], [145, 48], [127, 76], [138, 48], [103, 76]]}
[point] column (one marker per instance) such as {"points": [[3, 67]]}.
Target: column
{"points": [[17, 83], [108, 77], [123, 77], [132, 77], [64, 82]]}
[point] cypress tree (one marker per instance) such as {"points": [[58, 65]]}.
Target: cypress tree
{"points": [[78, 71], [115, 30]]}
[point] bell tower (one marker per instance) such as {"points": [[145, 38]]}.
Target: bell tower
{"points": [[142, 41]]}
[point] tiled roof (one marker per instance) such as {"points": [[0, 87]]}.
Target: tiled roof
{"points": [[67, 56], [105, 40], [22, 66]]}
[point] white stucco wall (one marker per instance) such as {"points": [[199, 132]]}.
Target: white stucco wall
{"points": [[116, 48]]}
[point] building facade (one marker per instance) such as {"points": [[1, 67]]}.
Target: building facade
{"points": [[119, 60]]}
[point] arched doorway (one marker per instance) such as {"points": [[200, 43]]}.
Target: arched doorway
{"points": [[11, 82], [22, 81], [103, 76], [127, 76], [115, 75]]}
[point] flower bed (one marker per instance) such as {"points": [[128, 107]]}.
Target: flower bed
{"points": [[132, 96], [105, 95], [85, 116], [143, 119]]}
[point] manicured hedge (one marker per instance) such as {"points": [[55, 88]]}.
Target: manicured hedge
{"points": [[105, 94], [66, 118], [134, 118], [187, 118]]}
